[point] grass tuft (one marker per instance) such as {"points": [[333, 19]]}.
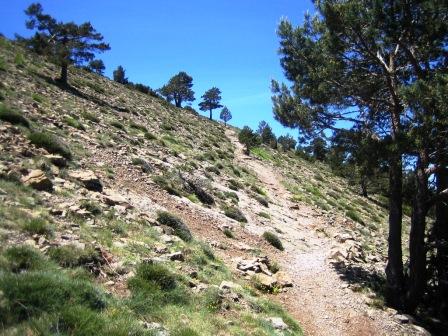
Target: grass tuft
{"points": [[180, 228], [272, 239], [50, 143], [13, 117]]}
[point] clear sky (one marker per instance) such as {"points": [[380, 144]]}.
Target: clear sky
{"points": [[231, 44]]}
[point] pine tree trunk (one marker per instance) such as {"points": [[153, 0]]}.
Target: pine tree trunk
{"points": [[417, 248], [441, 236], [64, 74], [211, 116], [363, 185], [394, 268]]}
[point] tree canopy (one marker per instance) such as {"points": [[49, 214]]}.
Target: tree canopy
{"points": [[248, 138], [379, 66], [225, 115], [210, 100], [178, 89], [97, 66], [119, 75], [66, 43]]}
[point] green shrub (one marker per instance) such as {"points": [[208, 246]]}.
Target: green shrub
{"points": [[24, 258], [354, 216], [165, 183], [262, 200], [93, 207], [264, 215], [90, 116], [19, 60], [258, 190], [37, 98], [235, 214], [235, 185], [38, 226], [28, 295], [50, 143], [272, 239], [233, 196], [228, 233], [185, 331], [213, 169], [13, 117], [74, 123], [144, 165], [118, 125], [167, 127], [213, 299], [150, 136], [138, 127], [72, 256], [180, 228]]}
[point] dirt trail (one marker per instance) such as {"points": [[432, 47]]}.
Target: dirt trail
{"points": [[320, 300]]}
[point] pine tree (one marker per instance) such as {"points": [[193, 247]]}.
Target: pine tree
{"points": [[248, 138], [97, 66], [210, 101], [225, 115], [377, 63], [287, 142], [120, 75], [65, 43], [178, 89], [267, 135]]}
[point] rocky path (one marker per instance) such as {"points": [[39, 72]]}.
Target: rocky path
{"points": [[320, 299]]}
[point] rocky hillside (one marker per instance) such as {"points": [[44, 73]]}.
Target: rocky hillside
{"points": [[123, 215]]}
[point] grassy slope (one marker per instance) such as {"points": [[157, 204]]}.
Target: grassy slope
{"points": [[113, 131]]}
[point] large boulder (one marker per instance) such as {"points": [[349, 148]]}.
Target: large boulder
{"points": [[88, 179], [37, 179], [110, 197], [283, 279]]}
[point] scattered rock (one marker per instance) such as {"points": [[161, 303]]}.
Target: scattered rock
{"points": [[267, 282], [88, 179], [37, 179], [403, 318], [227, 286], [112, 198], [283, 279], [278, 323], [179, 256], [57, 160]]}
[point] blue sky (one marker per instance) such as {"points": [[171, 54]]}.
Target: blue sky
{"points": [[230, 44]]}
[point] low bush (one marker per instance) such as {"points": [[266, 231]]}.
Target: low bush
{"points": [[72, 256], [74, 123], [262, 200], [144, 165], [90, 116], [180, 228], [150, 136], [235, 214], [150, 275], [12, 116], [354, 216], [118, 125], [228, 233], [93, 207], [264, 215], [235, 185], [272, 239], [50, 143], [258, 190], [38, 226], [22, 258]]}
